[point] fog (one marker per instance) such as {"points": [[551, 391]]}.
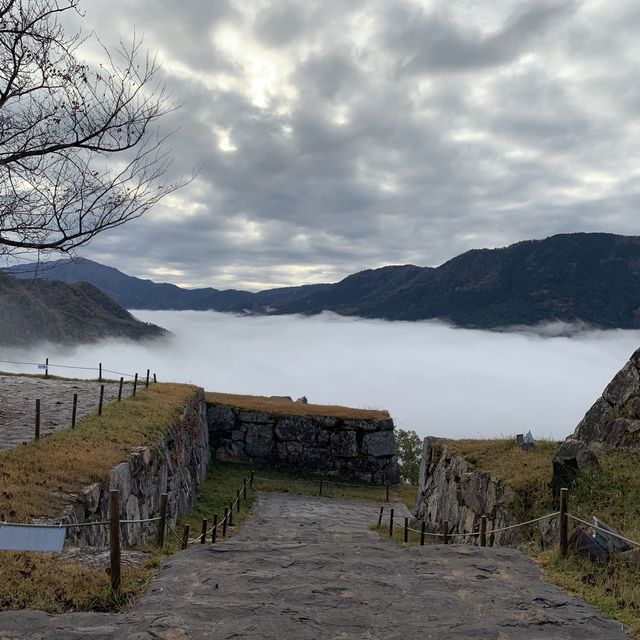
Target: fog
{"points": [[431, 377]]}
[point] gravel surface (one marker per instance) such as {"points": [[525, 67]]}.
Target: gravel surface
{"points": [[311, 568], [18, 395]]}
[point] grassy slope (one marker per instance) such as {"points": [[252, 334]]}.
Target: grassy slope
{"points": [[279, 407]]}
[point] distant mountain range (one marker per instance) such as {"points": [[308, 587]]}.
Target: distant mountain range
{"points": [[33, 311], [588, 277]]}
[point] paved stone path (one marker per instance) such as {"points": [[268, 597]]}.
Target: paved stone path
{"points": [[311, 568], [18, 395]]}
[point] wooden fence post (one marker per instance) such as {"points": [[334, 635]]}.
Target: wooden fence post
{"points": [[321, 481], [387, 492], [37, 437], [46, 368], [203, 533], [564, 522], [120, 389], [215, 528], [244, 488], [238, 499], [380, 516], [483, 531], [114, 539], [391, 523], [99, 371], [154, 378], [74, 410], [224, 522], [230, 513], [406, 529], [185, 536], [445, 531], [135, 384], [101, 400], [163, 519], [422, 532], [251, 480], [146, 385]]}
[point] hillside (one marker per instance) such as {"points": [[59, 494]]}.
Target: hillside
{"points": [[137, 293], [38, 310], [592, 277]]}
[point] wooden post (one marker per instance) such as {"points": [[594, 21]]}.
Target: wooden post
{"points": [[321, 481], [154, 378], [238, 499], [564, 522], [483, 531], [114, 539], [203, 533], [162, 523], [146, 385], [101, 400], [214, 533], [422, 532], [380, 516], [230, 513], [244, 488], [135, 384], [99, 371], [185, 537], [387, 492], [445, 531], [391, 523], [224, 522], [46, 368], [406, 529], [120, 389], [74, 410], [251, 480], [37, 420]]}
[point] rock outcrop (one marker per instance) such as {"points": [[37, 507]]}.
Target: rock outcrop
{"points": [[359, 448], [452, 490], [176, 464]]}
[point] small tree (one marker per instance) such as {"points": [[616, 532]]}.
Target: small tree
{"points": [[409, 451], [79, 150]]}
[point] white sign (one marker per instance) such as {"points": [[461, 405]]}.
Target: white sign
{"points": [[31, 538]]}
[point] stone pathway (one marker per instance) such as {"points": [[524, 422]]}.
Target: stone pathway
{"points": [[311, 568], [18, 395]]}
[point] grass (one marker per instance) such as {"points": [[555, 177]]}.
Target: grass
{"points": [[279, 407], [34, 478]]}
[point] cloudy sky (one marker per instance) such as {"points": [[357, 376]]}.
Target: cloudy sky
{"points": [[340, 135]]}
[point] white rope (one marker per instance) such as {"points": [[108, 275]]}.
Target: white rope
{"points": [[140, 520], [605, 531], [522, 524]]}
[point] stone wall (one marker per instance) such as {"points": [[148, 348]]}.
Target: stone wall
{"points": [[176, 464], [359, 448], [452, 490]]}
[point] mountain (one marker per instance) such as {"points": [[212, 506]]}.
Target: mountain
{"points": [[34, 311], [136, 293], [589, 277]]}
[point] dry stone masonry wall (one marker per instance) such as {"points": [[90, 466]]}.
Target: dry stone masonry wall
{"points": [[359, 448], [176, 464], [452, 490]]}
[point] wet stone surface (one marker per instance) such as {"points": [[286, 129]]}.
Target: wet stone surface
{"points": [[312, 568], [18, 395]]}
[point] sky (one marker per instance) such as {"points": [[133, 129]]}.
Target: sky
{"points": [[432, 378], [331, 136]]}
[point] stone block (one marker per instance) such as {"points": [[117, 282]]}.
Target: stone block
{"points": [[255, 417], [296, 428], [324, 437], [380, 444], [344, 444], [325, 422], [259, 441], [220, 416]]}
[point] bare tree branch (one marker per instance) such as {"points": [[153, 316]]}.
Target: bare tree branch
{"points": [[80, 152]]}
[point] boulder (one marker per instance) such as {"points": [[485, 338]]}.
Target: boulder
{"points": [[625, 384], [302, 400], [379, 444], [296, 428]]}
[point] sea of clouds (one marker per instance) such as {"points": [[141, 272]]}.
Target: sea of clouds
{"points": [[433, 378]]}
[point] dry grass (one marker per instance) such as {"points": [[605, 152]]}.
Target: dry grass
{"points": [[527, 472], [279, 407], [33, 477]]}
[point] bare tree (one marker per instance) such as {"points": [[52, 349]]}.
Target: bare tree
{"points": [[80, 151]]}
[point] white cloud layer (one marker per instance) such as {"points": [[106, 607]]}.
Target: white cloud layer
{"points": [[432, 378], [336, 136]]}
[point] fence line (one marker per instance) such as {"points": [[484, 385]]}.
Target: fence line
{"points": [[49, 365]]}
